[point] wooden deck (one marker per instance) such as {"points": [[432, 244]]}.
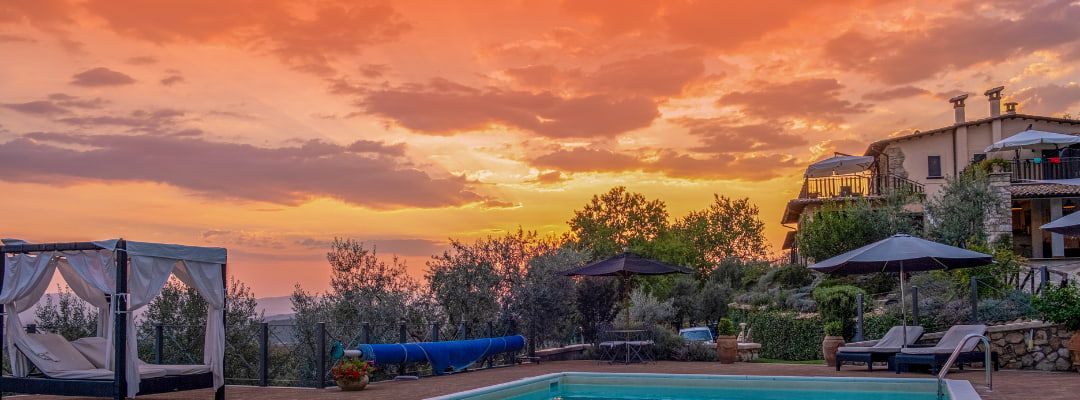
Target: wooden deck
{"points": [[1008, 384]]}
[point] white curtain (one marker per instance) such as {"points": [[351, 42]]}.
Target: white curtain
{"points": [[91, 275], [207, 280], [26, 277], [146, 278]]}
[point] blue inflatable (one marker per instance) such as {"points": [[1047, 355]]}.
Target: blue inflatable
{"points": [[455, 355]]}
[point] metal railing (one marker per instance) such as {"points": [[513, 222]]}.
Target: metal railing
{"points": [[856, 185], [956, 354], [1045, 168]]}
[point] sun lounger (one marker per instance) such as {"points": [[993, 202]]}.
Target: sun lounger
{"points": [[935, 356], [880, 350], [93, 348], [56, 358]]}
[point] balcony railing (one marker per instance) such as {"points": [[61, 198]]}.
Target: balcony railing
{"points": [[1046, 168], [847, 186]]}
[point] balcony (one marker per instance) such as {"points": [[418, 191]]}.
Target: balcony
{"points": [[1045, 168], [855, 185]]}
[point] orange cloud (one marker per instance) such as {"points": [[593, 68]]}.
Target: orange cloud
{"points": [[101, 76], [815, 98]]}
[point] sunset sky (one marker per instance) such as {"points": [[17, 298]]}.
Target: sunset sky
{"points": [[272, 126]]}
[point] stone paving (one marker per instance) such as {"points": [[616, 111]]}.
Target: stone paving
{"points": [[1008, 384]]}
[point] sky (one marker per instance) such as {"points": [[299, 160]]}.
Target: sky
{"points": [[270, 126]]}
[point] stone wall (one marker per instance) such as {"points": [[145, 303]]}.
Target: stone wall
{"points": [[1033, 346], [998, 221], [895, 158]]}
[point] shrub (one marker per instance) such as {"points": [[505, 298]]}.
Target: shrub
{"points": [[1013, 306], [782, 335], [1060, 305], [696, 351], [725, 327], [791, 276], [834, 328], [666, 342], [837, 303]]}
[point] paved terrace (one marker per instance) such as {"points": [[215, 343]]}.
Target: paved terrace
{"points": [[1008, 385]]}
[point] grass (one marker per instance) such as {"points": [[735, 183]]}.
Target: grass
{"points": [[800, 362]]}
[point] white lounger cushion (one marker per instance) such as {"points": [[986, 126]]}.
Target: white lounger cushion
{"points": [[64, 361], [94, 350], [890, 343], [950, 340]]}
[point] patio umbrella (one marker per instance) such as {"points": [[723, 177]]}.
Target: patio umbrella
{"points": [[1068, 225], [839, 164], [624, 266], [902, 253], [1033, 138]]}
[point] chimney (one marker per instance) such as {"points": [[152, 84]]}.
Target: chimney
{"points": [[1010, 108], [994, 95], [958, 107]]}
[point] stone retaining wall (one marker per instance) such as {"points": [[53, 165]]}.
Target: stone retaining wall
{"points": [[1026, 345]]}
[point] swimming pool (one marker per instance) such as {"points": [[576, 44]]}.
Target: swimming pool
{"points": [[608, 386]]}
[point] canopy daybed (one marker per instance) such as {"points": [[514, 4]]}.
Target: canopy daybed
{"points": [[118, 277]]}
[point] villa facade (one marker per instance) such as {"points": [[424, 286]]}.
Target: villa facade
{"points": [[922, 161]]}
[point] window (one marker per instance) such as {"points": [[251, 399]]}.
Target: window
{"points": [[933, 166]]}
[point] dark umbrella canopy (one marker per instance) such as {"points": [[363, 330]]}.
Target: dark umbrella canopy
{"points": [[901, 253], [1068, 225], [627, 264]]}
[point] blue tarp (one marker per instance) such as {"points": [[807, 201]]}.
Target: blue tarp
{"points": [[458, 354]]}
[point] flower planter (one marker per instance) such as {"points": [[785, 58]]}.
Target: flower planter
{"points": [[1074, 350], [727, 349], [828, 348], [350, 386]]}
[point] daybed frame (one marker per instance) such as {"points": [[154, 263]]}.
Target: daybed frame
{"points": [[116, 388]]}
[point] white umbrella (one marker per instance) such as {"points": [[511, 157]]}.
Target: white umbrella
{"points": [[839, 165], [1033, 138]]}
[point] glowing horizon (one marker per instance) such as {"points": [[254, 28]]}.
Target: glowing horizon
{"points": [[270, 127]]}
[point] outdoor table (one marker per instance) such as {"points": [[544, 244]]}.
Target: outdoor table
{"points": [[627, 334]]}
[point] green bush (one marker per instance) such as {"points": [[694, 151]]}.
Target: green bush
{"points": [[791, 276], [666, 342], [834, 328], [696, 351], [837, 303], [1060, 305], [725, 327], [783, 336]]}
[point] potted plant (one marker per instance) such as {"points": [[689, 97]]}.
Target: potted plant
{"points": [[727, 347], [1061, 305], [351, 373], [833, 340]]}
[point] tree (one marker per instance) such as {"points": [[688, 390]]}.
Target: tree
{"points": [[596, 298], [958, 213], [546, 304], [616, 220], [842, 226], [726, 229], [466, 291], [68, 316]]}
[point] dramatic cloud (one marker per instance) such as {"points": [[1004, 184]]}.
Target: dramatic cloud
{"points": [[306, 34], [442, 107], [549, 178], [55, 104], [901, 92], [1052, 99], [660, 74], [160, 120], [286, 175], [818, 98], [172, 79], [956, 42], [719, 135], [376, 147], [669, 163], [101, 76]]}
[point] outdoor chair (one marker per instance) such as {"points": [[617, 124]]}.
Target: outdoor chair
{"points": [[936, 355], [641, 348], [880, 350], [609, 344]]}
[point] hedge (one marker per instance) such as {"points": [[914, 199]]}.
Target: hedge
{"points": [[782, 336]]}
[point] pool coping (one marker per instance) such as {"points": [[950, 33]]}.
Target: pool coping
{"points": [[956, 389]]}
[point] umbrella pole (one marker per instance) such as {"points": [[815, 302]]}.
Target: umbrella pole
{"points": [[903, 303], [626, 298]]}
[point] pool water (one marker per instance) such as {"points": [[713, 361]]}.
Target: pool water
{"points": [[607, 386]]}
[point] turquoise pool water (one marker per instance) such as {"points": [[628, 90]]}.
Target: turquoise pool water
{"points": [[605, 386]]}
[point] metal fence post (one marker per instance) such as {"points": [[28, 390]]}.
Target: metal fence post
{"points": [[264, 354], [159, 339], [490, 334], [974, 300], [367, 332], [858, 318], [402, 338], [434, 332], [1044, 278], [461, 331], [915, 304], [320, 338]]}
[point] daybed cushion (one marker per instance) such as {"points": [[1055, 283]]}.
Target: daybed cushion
{"points": [[950, 340], [890, 343], [63, 361], [94, 350]]}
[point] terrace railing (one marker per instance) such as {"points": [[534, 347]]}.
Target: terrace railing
{"points": [[856, 185], [1045, 168]]}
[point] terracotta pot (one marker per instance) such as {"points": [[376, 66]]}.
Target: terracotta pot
{"points": [[1074, 349], [727, 349], [349, 386], [828, 348]]}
